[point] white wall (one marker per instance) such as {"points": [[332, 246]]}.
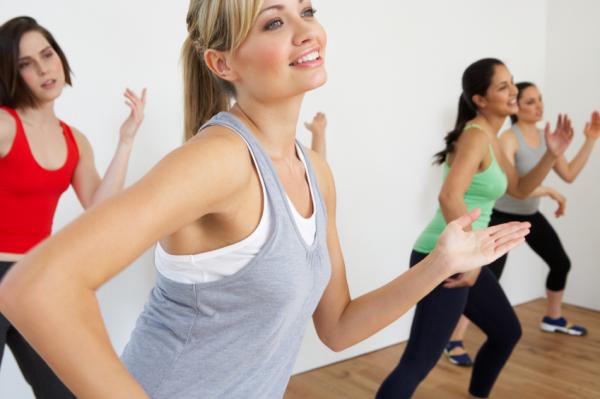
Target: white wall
{"points": [[394, 83], [574, 73]]}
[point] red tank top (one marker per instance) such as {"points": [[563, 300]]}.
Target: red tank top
{"points": [[29, 193]]}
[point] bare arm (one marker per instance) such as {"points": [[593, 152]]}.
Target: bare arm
{"points": [[341, 321], [561, 201], [557, 142], [59, 278], [88, 185], [317, 128], [568, 171]]}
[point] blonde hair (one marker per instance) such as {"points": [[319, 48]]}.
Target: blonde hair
{"points": [[212, 24]]}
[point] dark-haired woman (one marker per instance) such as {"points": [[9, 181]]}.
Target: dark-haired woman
{"points": [[524, 145], [476, 174], [40, 157]]}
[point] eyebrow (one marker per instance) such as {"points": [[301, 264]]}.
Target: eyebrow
{"points": [[276, 7], [41, 51]]}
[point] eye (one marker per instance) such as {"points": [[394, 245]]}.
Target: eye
{"points": [[274, 24], [23, 65], [48, 54], [308, 12]]}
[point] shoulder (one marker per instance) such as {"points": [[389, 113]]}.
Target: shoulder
{"points": [[509, 140], [79, 137], [7, 124], [220, 150], [474, 140]]}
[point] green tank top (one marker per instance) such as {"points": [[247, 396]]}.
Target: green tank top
{"points": [[486, 187]]}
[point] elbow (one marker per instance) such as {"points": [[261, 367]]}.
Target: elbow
{"points": [[446, 199], [569, 179], [335, 345], [333, 342]]}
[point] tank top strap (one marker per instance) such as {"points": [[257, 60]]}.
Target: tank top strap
{"points": [[72, 147], [520, 137], [263, 162], [473, 126]]}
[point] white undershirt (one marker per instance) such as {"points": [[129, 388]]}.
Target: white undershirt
{"points": [[219, 263]]}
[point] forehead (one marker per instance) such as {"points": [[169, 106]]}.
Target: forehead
{"points": [[32, 43], [501, 74], [282, 3], [531, 91]]}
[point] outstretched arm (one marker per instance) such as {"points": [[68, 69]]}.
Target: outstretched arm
{"points": [[556, 142], [59, 277], [88, 185], [342, 322], [568, 171]]}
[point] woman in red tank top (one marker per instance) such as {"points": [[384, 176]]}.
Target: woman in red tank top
{"points": [[40, 157]]}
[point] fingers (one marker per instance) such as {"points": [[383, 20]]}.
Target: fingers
{"points": [[504, 248], [465, 220], [501, 229], [511, 236]]}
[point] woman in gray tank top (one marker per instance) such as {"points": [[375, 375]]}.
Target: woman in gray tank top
{"points": [[524, 144], [236, 337]]}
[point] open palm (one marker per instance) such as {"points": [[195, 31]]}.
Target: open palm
{"points": [[131, 125], [558, 141], [467, 250], [592, 128]]}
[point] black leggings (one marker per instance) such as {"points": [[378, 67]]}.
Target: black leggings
{"points": [[544, 241], [43, 381], [435, 318]]}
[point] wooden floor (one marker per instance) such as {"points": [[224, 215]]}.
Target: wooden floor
{"points": [[543, 366]]}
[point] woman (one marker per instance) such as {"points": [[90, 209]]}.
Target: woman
{"points": [[40, 156], [248, 247], [523, 145], [476, 174]]}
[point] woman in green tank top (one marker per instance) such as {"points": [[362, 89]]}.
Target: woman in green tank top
{"points": [[476, 173]]}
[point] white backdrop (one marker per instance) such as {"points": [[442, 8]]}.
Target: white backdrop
{"points": [[394, 83]]}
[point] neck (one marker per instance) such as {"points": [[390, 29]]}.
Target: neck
{"points": [[43, 115], [273, 123], [527, 126], [493, 121]]}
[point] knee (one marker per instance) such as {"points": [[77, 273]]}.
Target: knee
{"points": [[509, 336], [557, 278]]}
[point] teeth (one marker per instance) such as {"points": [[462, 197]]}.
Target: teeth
{"points": [[309, 57]]}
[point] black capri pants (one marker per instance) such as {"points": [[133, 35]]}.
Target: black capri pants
{"points": [[544, 241], [436, 315]]}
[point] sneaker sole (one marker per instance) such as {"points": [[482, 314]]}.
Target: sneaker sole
{"points": [[557, 329]]}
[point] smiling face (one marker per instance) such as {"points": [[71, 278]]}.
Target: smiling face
{"points": [[531, 106], [282, 55], [40, 67], [501, 96]]}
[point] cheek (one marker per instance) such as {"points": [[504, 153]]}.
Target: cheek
{"points": [[29, 77], [264, 58]]}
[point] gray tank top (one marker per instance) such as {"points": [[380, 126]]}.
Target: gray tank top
{"points": [[525, 159], [237, 337]]}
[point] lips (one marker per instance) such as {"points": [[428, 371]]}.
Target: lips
{"points": [[309, 56], [49, 84]]}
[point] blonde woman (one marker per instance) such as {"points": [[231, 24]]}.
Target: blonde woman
{"points": [[248, 247]]}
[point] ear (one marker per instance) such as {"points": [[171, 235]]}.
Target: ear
{"points": [[218, 63], [479, 101]]}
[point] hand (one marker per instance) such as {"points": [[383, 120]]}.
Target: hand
{"points": [[466, 250], [560, 200], [466, 279], [558, 141], [592, 128], [318, 124], [131, 125]]}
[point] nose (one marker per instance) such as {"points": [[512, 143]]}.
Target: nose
{"points": [[305, 33]]}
